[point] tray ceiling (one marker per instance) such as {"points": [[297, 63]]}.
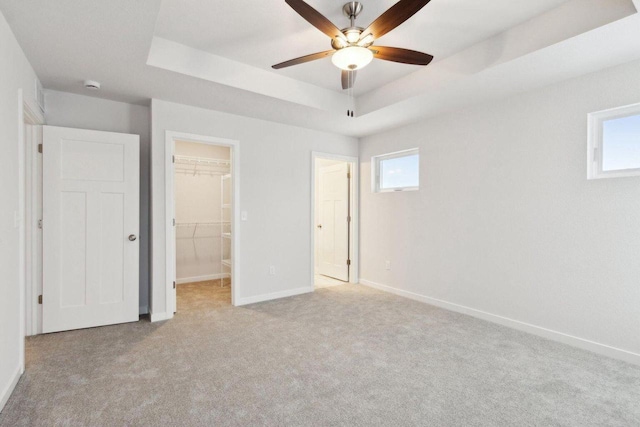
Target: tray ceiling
{"points": [[217, 54]]}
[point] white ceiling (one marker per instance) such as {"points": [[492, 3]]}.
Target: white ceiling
{"points": [[484, 49], [264, 33]]}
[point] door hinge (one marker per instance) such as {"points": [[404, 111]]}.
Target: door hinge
{"points": [[174, 222], [174, 284], [348, 262], [39, 148], [349, 219], [39, 299], [173, 159], [40, 224]]}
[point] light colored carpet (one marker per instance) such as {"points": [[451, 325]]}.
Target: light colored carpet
{"points": [[345, 355]]}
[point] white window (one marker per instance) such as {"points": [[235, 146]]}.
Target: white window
{"points": [[398, 171], [614, 143]]}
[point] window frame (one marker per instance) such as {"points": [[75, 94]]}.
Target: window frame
{"points": [[375, 171], [595, 142]]}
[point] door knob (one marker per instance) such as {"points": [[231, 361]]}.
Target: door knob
{"points": [[319, 225], [132, 237]]}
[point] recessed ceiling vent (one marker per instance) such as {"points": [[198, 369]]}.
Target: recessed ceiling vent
{"points": [[91, 84]]}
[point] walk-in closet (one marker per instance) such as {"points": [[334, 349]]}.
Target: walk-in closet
{"points": [[203, 200]]}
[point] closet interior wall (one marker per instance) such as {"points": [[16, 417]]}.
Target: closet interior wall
{"points": [[201, 172]]}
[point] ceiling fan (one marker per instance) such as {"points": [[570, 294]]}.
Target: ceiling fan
{"points": [[353, 46]]}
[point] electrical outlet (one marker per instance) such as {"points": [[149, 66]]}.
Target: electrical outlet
{"points": [[243, 215], [272, 270], [387, 265]]}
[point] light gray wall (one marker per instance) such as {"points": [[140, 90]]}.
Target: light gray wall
{"points": [[505, 222], [275, 186], [84, 112], [15, 74]]}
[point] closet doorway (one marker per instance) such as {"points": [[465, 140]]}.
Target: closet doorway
{"points": [[202, 197], [335, 226]]}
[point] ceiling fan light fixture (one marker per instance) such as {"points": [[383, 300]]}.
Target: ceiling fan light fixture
{"points": [[352, 35], [338, 43], [366, 41], [352, 58]]}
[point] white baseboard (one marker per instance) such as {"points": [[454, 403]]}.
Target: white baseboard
{"points": [[571, 340], [202, 278], [158, 317], [274, 295], [6, 392]]}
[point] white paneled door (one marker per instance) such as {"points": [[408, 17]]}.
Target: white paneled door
{"points": [[334, 222], [90, 228]]}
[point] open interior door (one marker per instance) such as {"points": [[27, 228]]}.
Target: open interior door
{"points": [[334, 221], [90, 228]]}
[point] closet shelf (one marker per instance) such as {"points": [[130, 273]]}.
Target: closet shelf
{"points": [[201, 165], [192, 172], [201, 224], [225, 231], [204, 161]]}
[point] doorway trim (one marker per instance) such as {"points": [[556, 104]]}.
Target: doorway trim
{"points": [[31, 121], [169, 195], [354, 226]]}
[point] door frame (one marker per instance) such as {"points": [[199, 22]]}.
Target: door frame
{"points": [[31, 191], [169, 195], [354, 227]]}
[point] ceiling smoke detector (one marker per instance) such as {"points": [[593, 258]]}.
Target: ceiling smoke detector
{"points": [[92, 84]]}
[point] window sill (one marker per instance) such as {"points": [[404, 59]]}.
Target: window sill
{"points": [[397, 190]]}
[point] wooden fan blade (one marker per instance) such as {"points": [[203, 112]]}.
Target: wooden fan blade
{"points": [[315, 18], [348, 79], [394, 16], [404, 56], [303, 59]]}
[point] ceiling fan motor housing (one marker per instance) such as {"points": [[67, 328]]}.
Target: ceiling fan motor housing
{"points": [[352, 9]]}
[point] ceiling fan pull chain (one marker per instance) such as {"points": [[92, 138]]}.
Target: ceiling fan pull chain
{"points": [[352, 77]]}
